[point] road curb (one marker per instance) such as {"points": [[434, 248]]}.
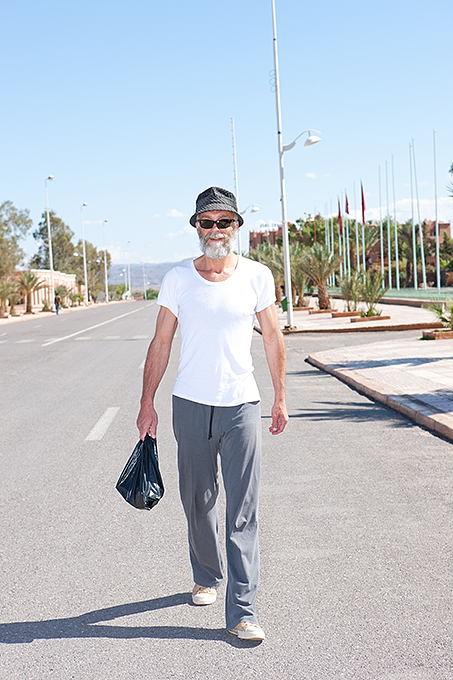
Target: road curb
{"points": [[423, 325], [421, 414]]}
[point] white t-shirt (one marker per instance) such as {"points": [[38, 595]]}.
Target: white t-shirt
{"points": [[216, 321]]}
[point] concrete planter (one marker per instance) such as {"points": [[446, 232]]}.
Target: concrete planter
{"points": [[321, 311], [340, 315], [438, 335], [369, 318]]}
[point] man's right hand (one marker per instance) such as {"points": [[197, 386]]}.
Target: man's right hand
{"points": [[147, 421]]}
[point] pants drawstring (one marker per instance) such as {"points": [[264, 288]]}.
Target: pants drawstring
{"points": [[210, 422]]}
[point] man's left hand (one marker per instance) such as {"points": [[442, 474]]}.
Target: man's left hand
{"points": [[279, 418]]}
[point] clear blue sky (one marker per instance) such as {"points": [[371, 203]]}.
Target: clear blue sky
{"points": [[129, 106]]}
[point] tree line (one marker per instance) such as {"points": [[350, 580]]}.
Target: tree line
{"points": [[67, 255]]}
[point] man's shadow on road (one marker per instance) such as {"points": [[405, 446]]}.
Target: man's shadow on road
{"points": [[87, 625]]}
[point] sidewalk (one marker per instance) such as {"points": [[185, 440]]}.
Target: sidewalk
{"points": [[402, 317], [415, 377]]}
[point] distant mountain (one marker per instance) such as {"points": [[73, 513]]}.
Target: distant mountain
{"points": [[154, 273]]}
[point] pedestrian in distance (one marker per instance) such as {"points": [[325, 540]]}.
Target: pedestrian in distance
{"points": [[216, 404], [57, 303]]}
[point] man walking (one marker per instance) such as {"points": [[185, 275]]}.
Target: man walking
{"points": [[216, 407]]}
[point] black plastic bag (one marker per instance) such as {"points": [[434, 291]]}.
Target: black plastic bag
{"points": [[140, 482]]}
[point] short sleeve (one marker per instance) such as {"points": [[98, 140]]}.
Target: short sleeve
{"points": [[266, 289], [168, 294]]}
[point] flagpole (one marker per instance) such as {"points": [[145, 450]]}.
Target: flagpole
{"points": [[389, 236], [326, 224], [357, 242], [332, 236], [363, 230], [340, 238], [396, 232], [437, 221], [345, 257], [343, 242], [347, 232], [236, 188], [420, 230], [381, 234], [414, 238]]}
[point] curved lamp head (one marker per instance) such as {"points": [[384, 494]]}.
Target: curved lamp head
{"points": [[312, 139], [253, 208], [50, 178]]}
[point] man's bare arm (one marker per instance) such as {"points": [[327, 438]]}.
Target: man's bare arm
{"points": [[274, 346], [155, 366]]}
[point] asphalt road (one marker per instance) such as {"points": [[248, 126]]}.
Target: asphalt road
{"points": [[356, 523]]}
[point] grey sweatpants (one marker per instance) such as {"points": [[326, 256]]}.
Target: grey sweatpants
{"points": [[233, 433]]}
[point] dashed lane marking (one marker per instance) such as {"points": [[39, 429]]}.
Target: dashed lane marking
{"points": [[22, 342], [112, 337], [142, 365], [103, 424], [85, 338], [98, 325], [140, 337]]}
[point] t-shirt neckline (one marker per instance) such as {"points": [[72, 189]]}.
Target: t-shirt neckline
{"points": [[216, 283]]}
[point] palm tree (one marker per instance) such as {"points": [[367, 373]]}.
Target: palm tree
{"points": [[318, 263], [350, 287], [272, 257], [8, 291], [299, 278], [28, 284], [372, 291]]}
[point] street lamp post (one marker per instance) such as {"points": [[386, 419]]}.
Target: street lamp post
{"points": [[129, 273], [254, 208], [105, 263], [144, 284], [85, 273], [312, 139], [49, 236]]}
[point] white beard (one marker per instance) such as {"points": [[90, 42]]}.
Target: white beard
{"points": [[217, 251]]}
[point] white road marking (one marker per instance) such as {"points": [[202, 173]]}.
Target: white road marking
{"points": [[21, 342], [112, 337], [140, 337], [2, 334], [72, 335], [103, 424], [85, 338], [151, 304], [142, 365]]}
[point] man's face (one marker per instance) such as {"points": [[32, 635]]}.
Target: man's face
{"points": [[214, 242]]}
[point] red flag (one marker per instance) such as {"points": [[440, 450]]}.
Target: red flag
{"points": [[340, 219], [347, 204], [363, 204]]}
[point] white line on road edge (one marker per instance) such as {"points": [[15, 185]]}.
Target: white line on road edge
{"points": [[103, 424], [51, 342]]}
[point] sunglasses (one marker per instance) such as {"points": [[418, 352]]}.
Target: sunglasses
{"points": [[221, 224]]}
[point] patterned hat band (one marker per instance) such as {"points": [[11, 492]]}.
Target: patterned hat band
{"points": [[216, 198]]}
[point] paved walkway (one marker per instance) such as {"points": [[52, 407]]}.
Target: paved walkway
{"points": [[411, 376], [414, 377], [402, 317]]}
